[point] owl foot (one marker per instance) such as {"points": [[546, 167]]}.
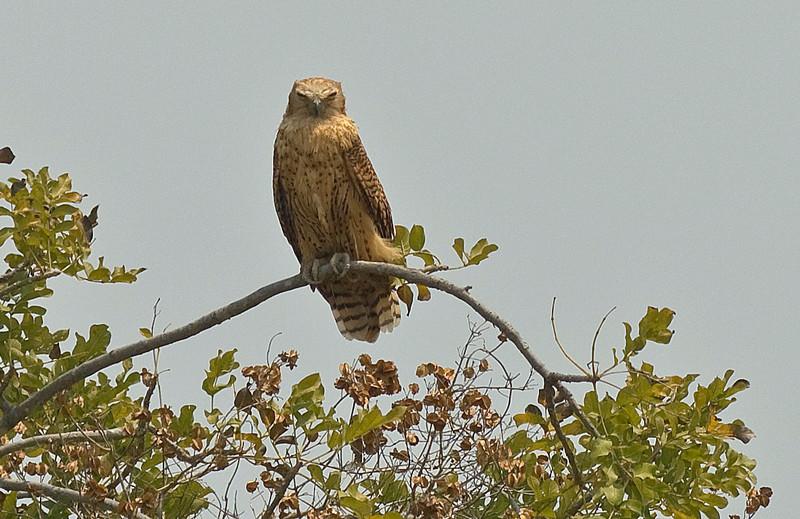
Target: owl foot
{"points": [[310, 272], [340, 263]]}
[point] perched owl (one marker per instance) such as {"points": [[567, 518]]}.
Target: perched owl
{"points": [[330, 203]]}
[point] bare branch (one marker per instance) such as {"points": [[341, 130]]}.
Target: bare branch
{"points": [[281, 491], [60, 494], [568, 377], [211, 319], [417, 276], [558, 341], [594, 340], [220, 315], [576, 473], [63, 438]]}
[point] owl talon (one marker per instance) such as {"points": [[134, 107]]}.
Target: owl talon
{"points": [[340, 263], [310, 272]]}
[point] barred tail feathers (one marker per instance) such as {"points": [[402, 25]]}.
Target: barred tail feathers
{"points": [[363, 308]]}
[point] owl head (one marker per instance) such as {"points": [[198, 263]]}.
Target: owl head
{"points": [[317, 97]]}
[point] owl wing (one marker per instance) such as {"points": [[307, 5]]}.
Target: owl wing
{"points": [[366, 180], [282, 205]]}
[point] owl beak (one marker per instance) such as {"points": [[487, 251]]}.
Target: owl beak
{"points": [[317, 106]]}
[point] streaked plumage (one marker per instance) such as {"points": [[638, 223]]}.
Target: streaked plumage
{"points": [[329, 200]]}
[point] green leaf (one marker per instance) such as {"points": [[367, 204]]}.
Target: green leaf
{"points": [[458, 246], [10, 505], [401, 239], [100, 274], [220, 365], [362, 423], [96, 344], [334, 481], [427, 257], [367, 420], [60, 211], [423, 293], [186, 500], [713, 500], [478, 247], [394, 414], [653, 326], [308, 386], [739, 385], [316, 474], [213, 416], [632, 346], [5, 234], [614, 494], [335, 440], [480, 251], [394, 491], [183, 425], [406, 296], [362, 507], [416, 239], [600, 447], [64, 226], [146, 333], [529, 419], [306, 399], [644, 471]]}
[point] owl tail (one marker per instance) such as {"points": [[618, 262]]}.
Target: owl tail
{"points": [[362, 307]]}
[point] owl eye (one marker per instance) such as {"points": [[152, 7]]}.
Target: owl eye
{"points": [[331, 95], [300, 94]]}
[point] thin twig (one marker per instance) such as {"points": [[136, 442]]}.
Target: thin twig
{"points": [[558, 342], [62, 495], [13, 287], [62, 438], [594, 339], [416, 276]]}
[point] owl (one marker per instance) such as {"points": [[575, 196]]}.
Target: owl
{"points": [[331, 206]]}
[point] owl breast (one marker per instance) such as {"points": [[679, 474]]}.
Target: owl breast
{"points": [[320, 194]]}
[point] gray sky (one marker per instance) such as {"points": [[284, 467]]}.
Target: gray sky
{"points": [[639, 155]]}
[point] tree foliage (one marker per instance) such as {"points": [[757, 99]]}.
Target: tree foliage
{"points": [[445, 441]]}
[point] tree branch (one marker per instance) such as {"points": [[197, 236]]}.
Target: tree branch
{"points": [[4, 383], [417, 276], [281, 491], [11, 273], [61, 495], [138, 435], [64, 438], [88, 368], [13, 287], [220, 315], [551, 411]]}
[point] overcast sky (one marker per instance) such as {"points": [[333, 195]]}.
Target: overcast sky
{"points": [[620, 154]]}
